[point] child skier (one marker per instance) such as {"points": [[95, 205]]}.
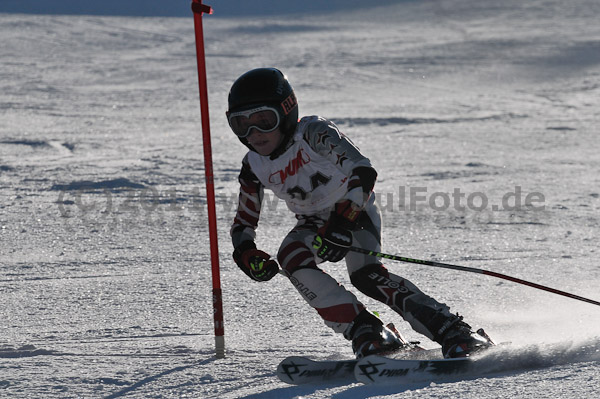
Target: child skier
{"points": [[328, 184]]}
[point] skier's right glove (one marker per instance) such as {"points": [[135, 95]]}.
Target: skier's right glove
{"points": [[257, 264]]}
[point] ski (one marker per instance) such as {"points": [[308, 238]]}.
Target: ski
{"points": [[379, 369], [301, 370], [422, 365]]}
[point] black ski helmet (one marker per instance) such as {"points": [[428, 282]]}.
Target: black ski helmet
{"points": [[266, 86]]}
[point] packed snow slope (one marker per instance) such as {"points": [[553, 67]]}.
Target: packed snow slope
{"points": [[481, 118]]}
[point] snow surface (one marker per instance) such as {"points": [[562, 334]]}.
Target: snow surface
{"points": [[104, 256]]}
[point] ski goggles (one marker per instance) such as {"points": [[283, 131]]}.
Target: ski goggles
{"points": [[264, 119]]}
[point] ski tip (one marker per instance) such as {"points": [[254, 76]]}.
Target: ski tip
{"points": [[298, 370]]}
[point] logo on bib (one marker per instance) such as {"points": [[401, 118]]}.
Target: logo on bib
{"points": [[301, 159]]}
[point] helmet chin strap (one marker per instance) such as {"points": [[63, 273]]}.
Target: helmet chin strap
{"points": [[286, 142], [245, 142]]}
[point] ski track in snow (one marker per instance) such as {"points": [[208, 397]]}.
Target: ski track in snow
{"points": [[104, 254]]}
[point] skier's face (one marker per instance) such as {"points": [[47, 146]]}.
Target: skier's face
{"points": [[265, 143]]}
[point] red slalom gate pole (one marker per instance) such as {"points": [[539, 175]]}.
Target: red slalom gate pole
{"points": [[198, 8]]}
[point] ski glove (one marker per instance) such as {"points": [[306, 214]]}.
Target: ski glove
{"points": [[334, 239], [332, 243], [257, 264]]}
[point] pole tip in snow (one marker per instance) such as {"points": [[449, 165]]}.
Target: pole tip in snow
{"points": [[220, 346]]}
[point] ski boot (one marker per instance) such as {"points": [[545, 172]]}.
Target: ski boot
{"points": [[461, 341], [369, 336]]}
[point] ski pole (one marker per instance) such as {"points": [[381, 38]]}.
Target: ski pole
{"points": [[472, 270]]}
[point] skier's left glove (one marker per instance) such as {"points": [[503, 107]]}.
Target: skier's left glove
{"points": [[332, 241], [257, 264]]}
